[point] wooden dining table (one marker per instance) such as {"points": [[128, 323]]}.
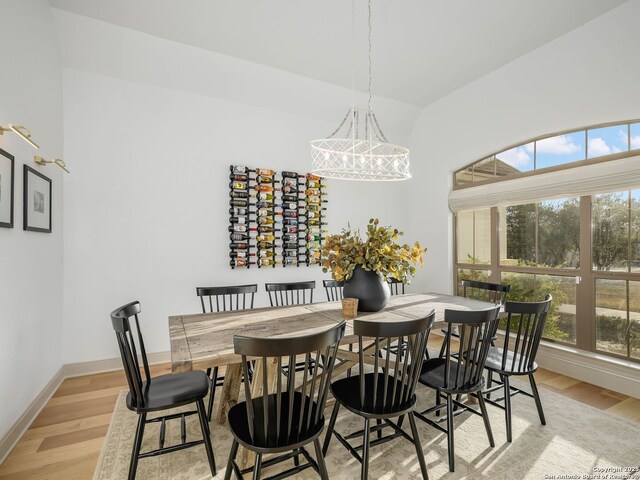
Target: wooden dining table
{"points": [[202, 341]]}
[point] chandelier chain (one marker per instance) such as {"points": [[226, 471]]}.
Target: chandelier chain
{"points": [[369, 103]]}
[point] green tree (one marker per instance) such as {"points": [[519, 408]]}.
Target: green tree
{"points": [[610, 230]]}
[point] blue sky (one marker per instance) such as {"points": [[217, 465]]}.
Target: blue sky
{"points": [[571, 147]]}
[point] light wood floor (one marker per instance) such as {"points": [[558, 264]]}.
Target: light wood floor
{"points": [[65, 440]]}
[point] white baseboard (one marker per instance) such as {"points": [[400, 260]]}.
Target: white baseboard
{"points": [[18, 429], [606, 372], [108, 365]]}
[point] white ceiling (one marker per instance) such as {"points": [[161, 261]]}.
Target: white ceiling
{"points": [[422, 49]]}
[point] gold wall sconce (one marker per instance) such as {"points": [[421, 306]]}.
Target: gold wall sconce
{"points": [[22, 131], [58, 161]]}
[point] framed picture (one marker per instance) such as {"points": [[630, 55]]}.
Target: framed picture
{"points": [[37, 201], [7, 165]]}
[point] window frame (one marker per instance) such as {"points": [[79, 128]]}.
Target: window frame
{"points": [[536, 171], [586, 275]]}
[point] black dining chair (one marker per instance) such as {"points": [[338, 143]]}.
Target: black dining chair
{"points": [[385, 393], [495, 293], [333, 289], [229, 298], [164, 392], [452, 376], [396, 286], [295, 293], [517, 356], [291, 417]]}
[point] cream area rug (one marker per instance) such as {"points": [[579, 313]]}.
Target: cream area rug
{"points": [[577, 440]]}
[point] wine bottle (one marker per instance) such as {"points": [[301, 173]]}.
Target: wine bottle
{"points": [[312, 191], [290, 198], [268, 262], [238, 236], [234, 211], [290, 229], [313, 238], [314, 199], [239, 246], [312, 214], [290, 190], [240, 169], [266, 245], [268, 220], [313, 178], [291, 246], [290, 253], [265, 196], [241, 254], [315, 222], [315, 229], [265, 188], [263, 204], [265, 172], [312, 246], [237, 194], [290, 221], [239, 228], [267, 212], [290, 261], [240, 262], [238, 185], [267, 253], [290, 205], [290, 214], [239, 202], [292, 175], [315, 208], [265, 179], [238, 177], [266, 229], [292, 182], [242, 220], [290, 237], [267, 238], [312, 184]]}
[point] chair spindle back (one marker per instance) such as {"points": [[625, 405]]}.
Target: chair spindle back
{"points": [[395, 376], [525, 321], [487, 292], [226, 298], [120, 319], [296, 293], [297, 405], [476, 328], [333, 288]]}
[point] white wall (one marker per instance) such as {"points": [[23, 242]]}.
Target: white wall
{"points": [[30, 262], [147, 205], [588, 76]]}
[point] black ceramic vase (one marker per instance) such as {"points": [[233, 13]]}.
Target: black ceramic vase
{"points": [[371, 290]]}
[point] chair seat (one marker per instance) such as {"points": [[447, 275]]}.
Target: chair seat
{"points": [[169, 391], [433, 375], [299, 434], [512, 367], [347, 392]]}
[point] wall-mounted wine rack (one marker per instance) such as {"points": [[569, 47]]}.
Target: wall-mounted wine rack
{"points": [[284, 210]]}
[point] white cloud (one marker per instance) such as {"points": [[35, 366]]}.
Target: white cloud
{"points": [[598, 147], [615, 149], [635, 139], [516, 157], [560, 145]]}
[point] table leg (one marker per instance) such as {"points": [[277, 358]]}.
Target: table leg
{"points": [[230, 391], [245, 457]]}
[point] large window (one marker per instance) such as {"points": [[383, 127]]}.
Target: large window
{"points": [[583, 251], [558, 151]]}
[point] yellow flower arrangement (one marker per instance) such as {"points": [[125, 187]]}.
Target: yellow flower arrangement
{"points": [[379, 253]]}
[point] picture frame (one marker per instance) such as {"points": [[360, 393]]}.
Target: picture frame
{"points": [[37, 201], [7, 175]]}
